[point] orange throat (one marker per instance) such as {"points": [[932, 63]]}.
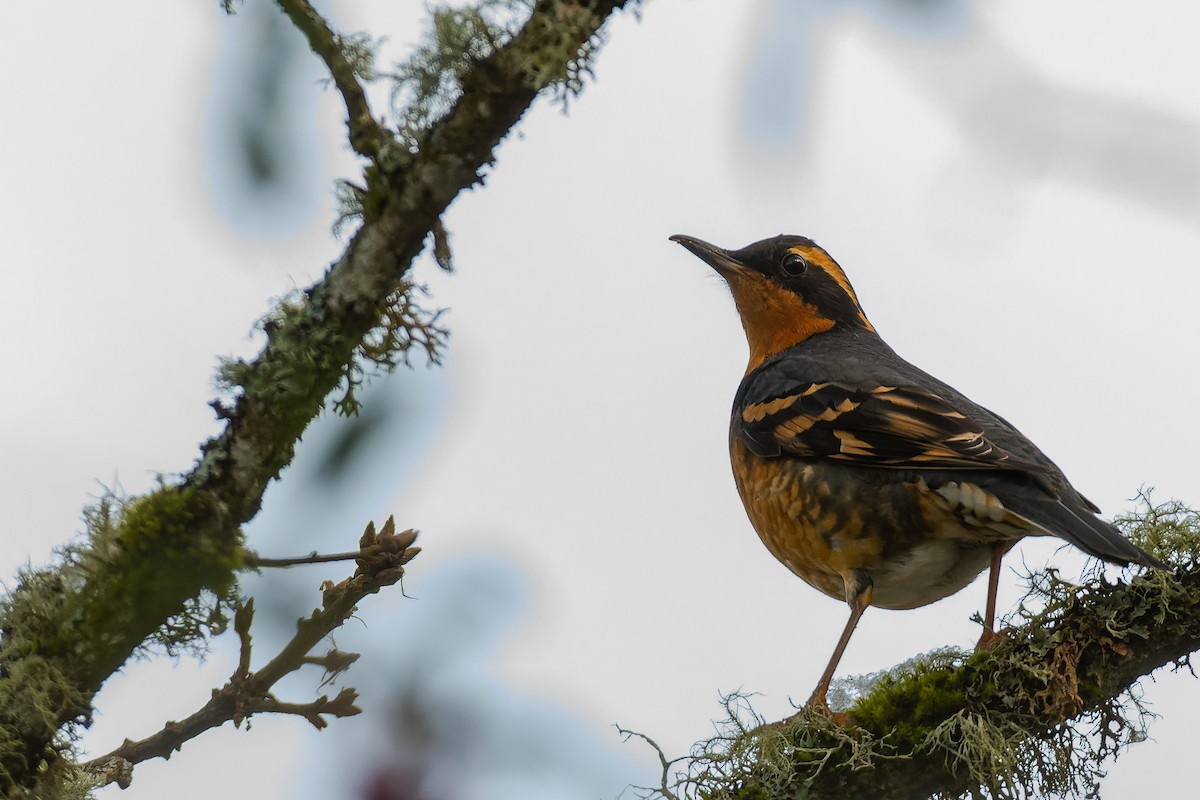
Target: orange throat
{"points": [[774, 319]]}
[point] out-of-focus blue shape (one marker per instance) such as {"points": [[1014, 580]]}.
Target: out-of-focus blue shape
{"points": [[332, 488], [439, 723], [261, 147], [1017, 125], [1026, 126], [915, 19], [780, 72]]}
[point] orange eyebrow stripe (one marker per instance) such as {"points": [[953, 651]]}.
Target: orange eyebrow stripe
{"points": [[818, 257]]}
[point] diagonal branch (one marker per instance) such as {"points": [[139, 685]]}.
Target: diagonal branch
{"points": [[68, 628]]}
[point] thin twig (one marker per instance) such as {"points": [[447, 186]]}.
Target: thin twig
{"points": [[664, 788], [254, 560], [340, 706], [380, 563], [367, 135], [241, 624]]}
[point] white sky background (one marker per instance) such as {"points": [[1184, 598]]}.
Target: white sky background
{"points": [[1012, 188]]}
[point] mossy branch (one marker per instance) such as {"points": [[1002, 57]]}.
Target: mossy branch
{"points": [[67, 628], [1036, 716]]}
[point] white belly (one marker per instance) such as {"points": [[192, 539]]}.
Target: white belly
{"points": [[929, 572]]}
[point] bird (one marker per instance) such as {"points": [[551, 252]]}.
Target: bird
{"points": [[867, 477]]}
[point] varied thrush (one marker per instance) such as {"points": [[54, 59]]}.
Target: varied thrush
{"points": [[867, 477]]}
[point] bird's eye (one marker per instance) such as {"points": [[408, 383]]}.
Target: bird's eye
{"points": [[793, 265]]}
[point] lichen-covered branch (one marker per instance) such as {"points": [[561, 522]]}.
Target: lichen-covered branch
{"points": [[381, 559], [1036, 716], [67, 628], [346, 61]]}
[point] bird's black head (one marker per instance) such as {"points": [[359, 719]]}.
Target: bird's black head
{"points": [[787, 289]]}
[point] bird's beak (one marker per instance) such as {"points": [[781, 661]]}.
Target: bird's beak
{"points": [[718, 258]]}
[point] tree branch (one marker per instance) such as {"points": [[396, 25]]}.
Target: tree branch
{"points": [[1036, 716], [381, 560], [67, 628], [255, 561], [367, 136]]}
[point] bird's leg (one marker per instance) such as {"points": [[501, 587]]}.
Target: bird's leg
{"points": [[989, 636], [859, 589]]}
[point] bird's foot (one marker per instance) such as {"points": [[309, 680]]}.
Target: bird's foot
{"points": [[991, 638], [817, 706]]}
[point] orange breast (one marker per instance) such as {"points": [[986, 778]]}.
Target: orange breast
{"points": [[796, 518], [823, 520]]}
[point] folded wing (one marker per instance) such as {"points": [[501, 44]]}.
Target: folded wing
{"points": [[909, 427]]}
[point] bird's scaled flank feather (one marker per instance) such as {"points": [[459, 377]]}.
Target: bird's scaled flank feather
{"points": [[897, 427]]}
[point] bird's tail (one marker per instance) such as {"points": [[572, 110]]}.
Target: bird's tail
{"points": [[1078, 525]]}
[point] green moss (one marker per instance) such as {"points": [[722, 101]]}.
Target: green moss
{"points": [[902, 704], [162, 524], [163, 515], [142, 559]]}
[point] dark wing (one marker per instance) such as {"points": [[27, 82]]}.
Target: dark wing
{"points": [[885, 426], [908, 427]]}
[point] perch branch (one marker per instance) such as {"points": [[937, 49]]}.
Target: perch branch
{"points": [[1035, 716]]}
